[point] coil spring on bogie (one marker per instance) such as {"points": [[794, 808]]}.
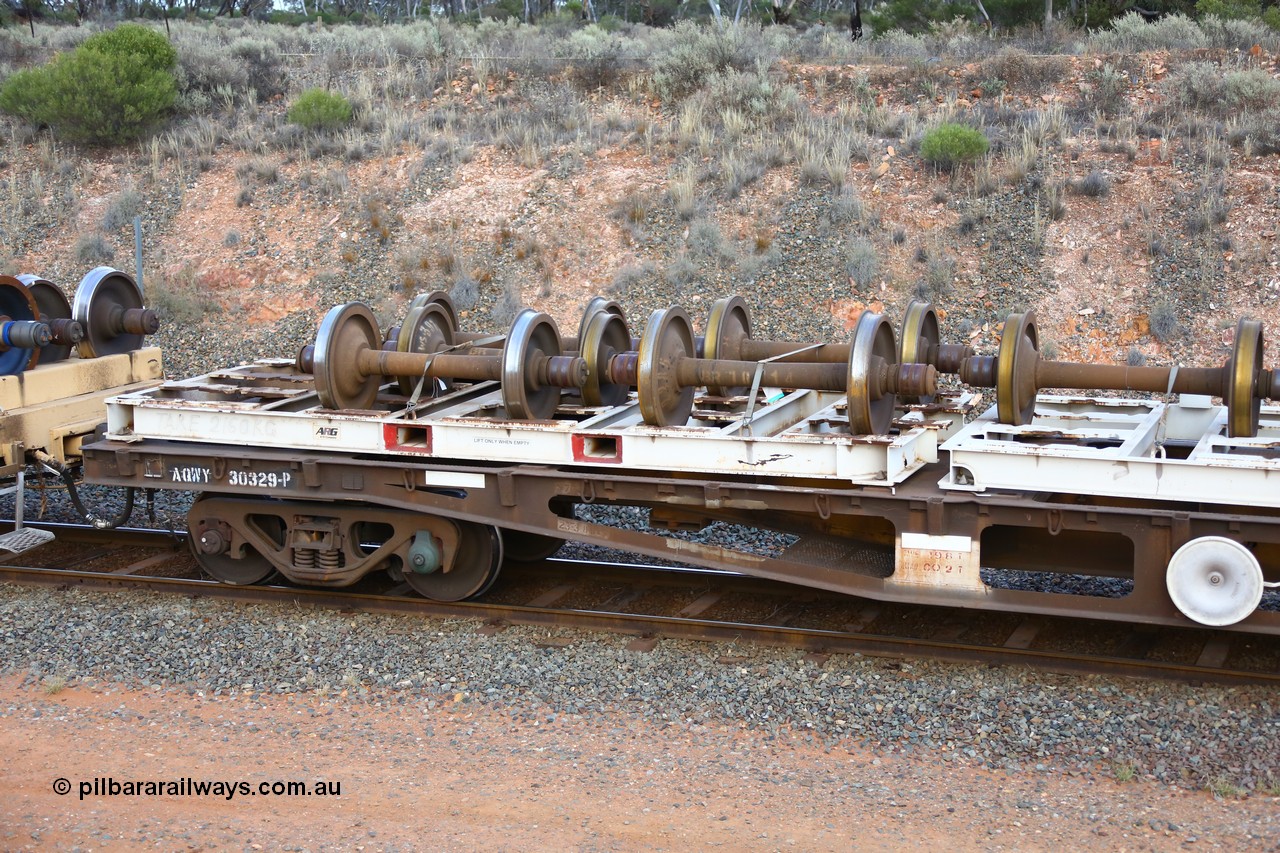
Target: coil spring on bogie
{"points": [[329, 560], [304, 558]]}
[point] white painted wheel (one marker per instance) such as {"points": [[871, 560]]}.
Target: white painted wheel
{"points": [[1214, 580]]}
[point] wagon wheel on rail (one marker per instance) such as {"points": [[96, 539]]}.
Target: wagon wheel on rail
{"points": [[522, 547], [209, 536], [1215, 581], [475, 566], [519, 546]]}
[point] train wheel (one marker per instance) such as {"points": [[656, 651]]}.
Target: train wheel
{"points": [[475, 566], [210, 540], [521, 547]]}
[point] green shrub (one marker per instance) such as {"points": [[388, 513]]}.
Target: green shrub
{"points": [[1096, 14], [1132, 34], [93, 248], [318, 109], [915, 16], [260, 59], [686, 56], [1205, 86], [112, 88], [598, 57], [1229, 10], [1010, 14], [92, 96], [23, 94], [950, 144], [147, 46]]}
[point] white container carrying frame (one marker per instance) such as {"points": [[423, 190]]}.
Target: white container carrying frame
{"points": [[794, 434], [1121, 448]]}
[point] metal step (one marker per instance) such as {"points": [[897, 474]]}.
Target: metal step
{"points": [[24, 539]]}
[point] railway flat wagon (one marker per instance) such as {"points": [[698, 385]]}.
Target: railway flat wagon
{"points": [[434, 454], [60, 360]]}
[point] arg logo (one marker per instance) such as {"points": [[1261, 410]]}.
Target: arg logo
{"points": [[327, 432]]}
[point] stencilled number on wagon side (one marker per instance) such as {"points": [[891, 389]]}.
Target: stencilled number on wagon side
{"points": [[570, 525], [260, 479], [939, 561]]}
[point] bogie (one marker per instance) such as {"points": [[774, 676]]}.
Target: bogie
{"points": [[243, 541]]}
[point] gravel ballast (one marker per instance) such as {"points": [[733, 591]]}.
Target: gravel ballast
{"points": [[1006, 718], [1194, 736]]}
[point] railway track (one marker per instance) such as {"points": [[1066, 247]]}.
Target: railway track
{"points": [[658, 602]]}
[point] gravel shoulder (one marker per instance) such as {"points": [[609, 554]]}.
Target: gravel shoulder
{"points": [[466, 776], [445, 739]]}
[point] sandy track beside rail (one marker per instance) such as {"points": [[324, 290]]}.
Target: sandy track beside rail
{"points": [[467, 776]]}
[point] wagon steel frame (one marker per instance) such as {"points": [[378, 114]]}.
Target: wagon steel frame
{"points": [[915, 533]]}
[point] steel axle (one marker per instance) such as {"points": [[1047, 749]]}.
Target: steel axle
{"points": [[666, 373], [349, 363], [1018, 372]]}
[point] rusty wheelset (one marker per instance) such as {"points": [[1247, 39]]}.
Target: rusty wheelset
{"points": [[350, 361], [1017, 372], [39, 325], [666, 365]]}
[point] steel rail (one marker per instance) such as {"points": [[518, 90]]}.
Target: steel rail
{"points": [[142, 537], [820, 641]]}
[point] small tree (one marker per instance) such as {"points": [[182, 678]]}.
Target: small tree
{"points": [[91, 96]]}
